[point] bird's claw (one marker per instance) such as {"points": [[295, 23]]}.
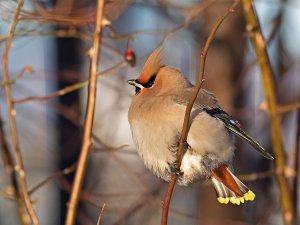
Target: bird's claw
{"points": [[175, 170]]}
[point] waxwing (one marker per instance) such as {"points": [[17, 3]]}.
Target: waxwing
{"points": [[156, 116]]}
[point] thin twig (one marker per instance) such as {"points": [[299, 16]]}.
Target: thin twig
{"points": [[281, 109], [288, 108], [89, 117], [296, 160], [165, 208], [269, 89], [101, 214], [167, 200], [69, 88], [163, 32], [9, 168], [256, 176], [58, 174], [26, 69], [57, 33], [11, 113]]}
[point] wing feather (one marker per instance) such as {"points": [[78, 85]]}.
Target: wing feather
{"points": [[234, 126], [207, 101]]}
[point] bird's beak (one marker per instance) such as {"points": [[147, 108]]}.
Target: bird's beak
{"points": [[132, 82], [137, 84]]}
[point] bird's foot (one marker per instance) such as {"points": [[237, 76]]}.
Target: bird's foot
{"points": [[176, 170]]}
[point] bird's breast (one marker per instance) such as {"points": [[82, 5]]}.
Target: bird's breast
{"points": [[155, 131]]}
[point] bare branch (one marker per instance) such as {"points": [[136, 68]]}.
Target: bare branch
{"points": [[189, 107], [58, 174], [9, 168], [11, 113], [269, 88], [100, 214], [89, 117], [281, 109], [69, 88]]}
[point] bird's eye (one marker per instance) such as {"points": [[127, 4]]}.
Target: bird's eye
{"points": [[148, 85], [150, 82]]}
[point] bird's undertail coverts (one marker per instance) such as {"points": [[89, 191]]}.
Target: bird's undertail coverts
{"points": [[229, 188]]}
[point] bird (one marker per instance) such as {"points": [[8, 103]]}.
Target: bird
{"points": [[156, 117]]}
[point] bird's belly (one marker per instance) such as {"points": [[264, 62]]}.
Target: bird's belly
{"points": [[153, 146]]}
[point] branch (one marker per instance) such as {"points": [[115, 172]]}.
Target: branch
{"points": [[11, 113], [9, 168], [58, 174], [296, 181], [89, 117], [100, 214], [192, 12], [69, 88], [188, 110], [26, 69], [282, 109], [71, 32], [256, 176], [270, 94]]}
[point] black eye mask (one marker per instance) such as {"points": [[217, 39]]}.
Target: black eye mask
{"points": [[150, 82], [137, 89]]}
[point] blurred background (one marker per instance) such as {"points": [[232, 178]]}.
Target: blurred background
{"points": [[49, 53]]}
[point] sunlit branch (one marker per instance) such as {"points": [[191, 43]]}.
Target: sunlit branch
{"points": [[166, 203], [267, 76], [89, 117], [11, 114]]}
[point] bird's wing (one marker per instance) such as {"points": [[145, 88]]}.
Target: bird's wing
{"points": [[234, 126], [207, 101]]}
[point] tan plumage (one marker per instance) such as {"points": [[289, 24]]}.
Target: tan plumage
{"points": [[156, 116], [152, 65]]}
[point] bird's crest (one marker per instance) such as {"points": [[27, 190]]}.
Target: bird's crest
{"points": [[152, 65]]}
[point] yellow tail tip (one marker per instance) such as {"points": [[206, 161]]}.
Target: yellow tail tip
{"points": [[233, 200], [242, 200], [223, 200], [249, 196]]}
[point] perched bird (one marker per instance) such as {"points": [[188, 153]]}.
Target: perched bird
{"points": [[156, 116]]}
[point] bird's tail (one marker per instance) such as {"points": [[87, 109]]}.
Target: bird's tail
{"points": [[229, 188]]}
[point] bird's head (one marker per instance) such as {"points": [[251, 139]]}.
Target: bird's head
{"points": [[157, 78]]}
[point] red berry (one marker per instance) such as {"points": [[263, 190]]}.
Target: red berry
{"points": [[129, 56]]}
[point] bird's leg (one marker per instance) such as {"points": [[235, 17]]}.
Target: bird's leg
{"points": [[175, 169], [175, 166]]}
